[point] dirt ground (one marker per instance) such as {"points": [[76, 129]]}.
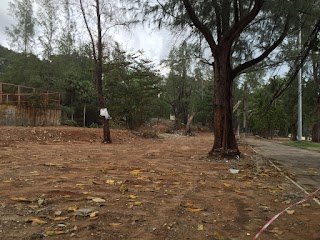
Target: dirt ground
{"points": [[62, 183]]}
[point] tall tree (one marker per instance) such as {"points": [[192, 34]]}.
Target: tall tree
{"points": [[22, 33], [179, 84], [66, 41], [48, 21], [227, 25], [97, 51], [133, 86], [103, 17]]}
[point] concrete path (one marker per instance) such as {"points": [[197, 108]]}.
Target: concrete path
{"points": [[304, 164]]}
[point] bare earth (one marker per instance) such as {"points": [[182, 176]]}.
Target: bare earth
{"points": [[62, 183]]}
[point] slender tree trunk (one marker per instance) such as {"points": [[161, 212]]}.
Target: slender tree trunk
{"points": [[102, 103], [188, 128], [224, 136]]}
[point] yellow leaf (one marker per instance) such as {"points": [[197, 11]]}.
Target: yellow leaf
{"points": [[115, 224], [133, 196], [73, 208], [110, 181], [60, 218], [227, 184], [194, 210], [93, 214], [80, 184], [38, 221], [54, 233], [136, 172], [20, 199], [281, 188], [176, 183], [290, 212], [272, 191], [238, 192], [137, 203], [200, 227], [202, 182]]}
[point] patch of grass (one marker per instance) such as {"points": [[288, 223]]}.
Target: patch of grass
{"points": [[304, 144]]}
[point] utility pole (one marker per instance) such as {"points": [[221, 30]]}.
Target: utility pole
{"points": [[300, 92]]}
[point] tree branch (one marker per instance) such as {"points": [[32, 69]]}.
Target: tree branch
{"points": [[217, 11], [237, 28], [242, 67], [89, 31], [200, 26]]}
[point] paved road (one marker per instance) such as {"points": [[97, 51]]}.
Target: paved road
{"points": [[304, 164]]}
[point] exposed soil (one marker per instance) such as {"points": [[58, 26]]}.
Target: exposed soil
{"points": [[62, 183]]}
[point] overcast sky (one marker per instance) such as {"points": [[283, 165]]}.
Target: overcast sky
{"points": [[156, 44]]}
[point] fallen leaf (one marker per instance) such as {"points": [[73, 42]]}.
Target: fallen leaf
{"points": [[83, 212], [93, 214], [227, 184], [136, 172], [290, 212], [98, 200], [238, 192], [194, 210], [133, 196], [57, 213], [200, 227], [41, 201], [136, 203], [248, 209], [20, 199], [110, 181], [38, 221], [306, 205], [54, 233], [123, 188], [281, 188], [276, 231], [272, 190], [115, 224], [60, 219], [73, 208]]}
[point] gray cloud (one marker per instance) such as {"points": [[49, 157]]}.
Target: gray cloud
{"points": [[156, 44], [5, 21]]}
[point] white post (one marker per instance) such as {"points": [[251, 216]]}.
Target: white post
{"points": [[300, 96]]}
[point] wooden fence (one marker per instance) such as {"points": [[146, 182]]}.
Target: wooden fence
{"points": [[20, 105]]}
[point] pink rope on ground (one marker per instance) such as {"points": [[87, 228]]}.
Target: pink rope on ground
{"points": [[277, 215]]}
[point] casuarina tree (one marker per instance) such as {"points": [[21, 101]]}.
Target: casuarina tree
{"points": [[238, 33]]}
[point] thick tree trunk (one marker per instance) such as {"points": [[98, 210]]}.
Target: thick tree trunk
{"points": [[293, 132], [316, 133], [224, 136]]}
